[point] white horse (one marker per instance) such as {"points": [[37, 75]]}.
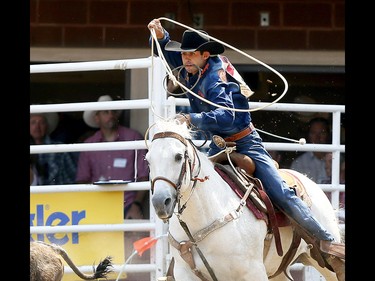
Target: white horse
{"points": [[212, 238]]}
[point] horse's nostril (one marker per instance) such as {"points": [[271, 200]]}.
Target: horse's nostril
{"points": [[167, 201]]}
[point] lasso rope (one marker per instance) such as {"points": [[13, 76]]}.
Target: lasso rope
{"points": [[175, 81], [169, 71], [301, 141]]}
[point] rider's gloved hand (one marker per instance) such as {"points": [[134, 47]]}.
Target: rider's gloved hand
{"points": [[156, 25], [183, 118]]}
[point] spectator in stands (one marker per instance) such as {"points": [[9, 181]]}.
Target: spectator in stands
{"points": [[313, 163], [49, 168], [114, 164]]}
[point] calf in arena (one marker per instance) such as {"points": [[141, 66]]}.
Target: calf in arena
{"points": [[46, 264]]}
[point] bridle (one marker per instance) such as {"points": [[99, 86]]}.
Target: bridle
{"points": [[188, 165]]}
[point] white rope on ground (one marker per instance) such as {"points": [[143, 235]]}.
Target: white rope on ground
{"points": [[146, 246], [126, 262]]}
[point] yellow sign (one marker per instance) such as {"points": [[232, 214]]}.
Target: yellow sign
{"points": [[81, 208]]}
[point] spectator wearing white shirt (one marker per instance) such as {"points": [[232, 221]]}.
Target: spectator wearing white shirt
{"points": [[313, 163]]}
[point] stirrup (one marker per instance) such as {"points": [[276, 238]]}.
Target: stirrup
{"points": [[338, 266], [333, 248]]}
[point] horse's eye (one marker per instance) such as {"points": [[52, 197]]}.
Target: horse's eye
{"points": [[178, 157]]}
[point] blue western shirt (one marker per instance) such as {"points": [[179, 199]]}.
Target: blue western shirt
{"points": [[207, 117]]}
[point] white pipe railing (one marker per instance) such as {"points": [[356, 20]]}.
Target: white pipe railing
{"points": [[95, 146], [293, 107], [335, 147], [129, 268], [91, 66], [143, 226], [104, 105], [142, 185]]}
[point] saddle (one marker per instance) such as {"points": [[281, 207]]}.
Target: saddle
{"points": [[260, 204]]}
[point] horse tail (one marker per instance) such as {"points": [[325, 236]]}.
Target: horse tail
{"points": [[101, 271]]}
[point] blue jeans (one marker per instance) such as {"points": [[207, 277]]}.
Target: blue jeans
{"points": [[280, 194]]}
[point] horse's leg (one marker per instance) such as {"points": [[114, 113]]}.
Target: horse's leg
{"points": [[257, 272], [184, 273], [253, 267], [238, 266], [254, 271], [252, 264]]}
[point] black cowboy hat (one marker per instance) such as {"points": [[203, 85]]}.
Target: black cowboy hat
{"points": [[192, 41]]}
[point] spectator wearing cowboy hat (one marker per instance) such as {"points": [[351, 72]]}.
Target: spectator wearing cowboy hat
{"points": [[210, 75], [49, 168], [113, 164]]}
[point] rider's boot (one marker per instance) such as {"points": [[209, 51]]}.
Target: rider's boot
{"points": [[333, 248], [333, 252], [298, 210], [326, 240]]}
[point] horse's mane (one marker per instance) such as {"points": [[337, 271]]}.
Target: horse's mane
{"points": [[173, 125]]}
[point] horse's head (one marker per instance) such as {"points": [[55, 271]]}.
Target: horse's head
{"points": [[171, 158]]}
